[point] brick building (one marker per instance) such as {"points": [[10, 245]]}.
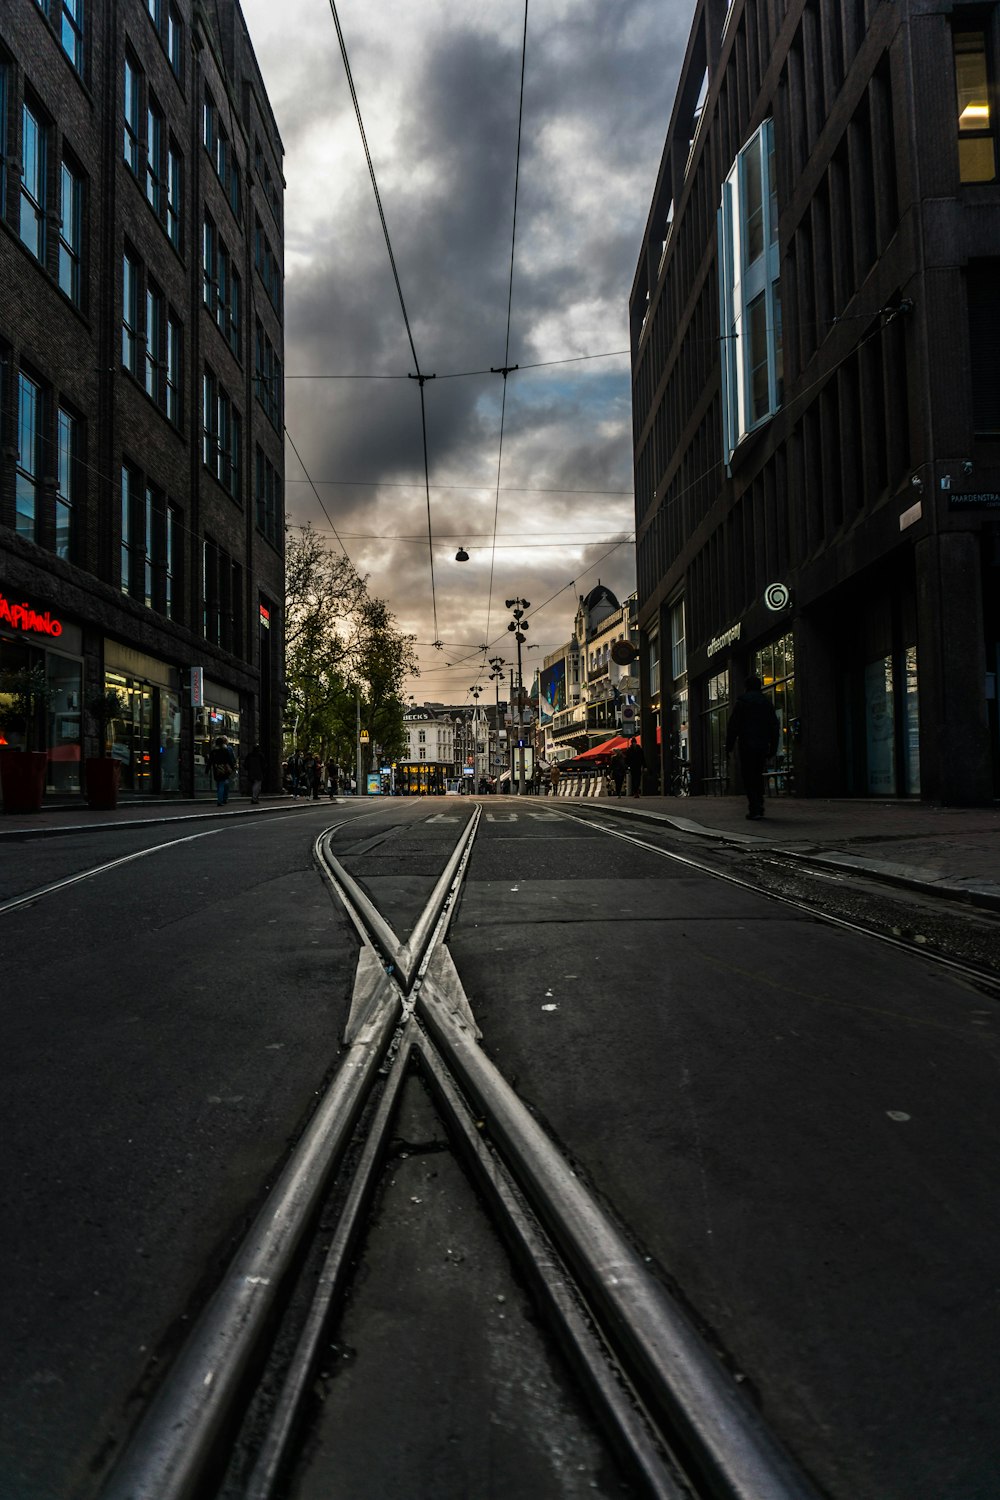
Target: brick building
{"points": [[141, 447], [814, 326]]}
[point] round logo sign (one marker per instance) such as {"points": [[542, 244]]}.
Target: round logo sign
{"points": [[777, 596]]}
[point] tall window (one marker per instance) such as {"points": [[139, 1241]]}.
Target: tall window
{"points": [[71, 232], [4, 96], [130, 496], [267, 376], [208, 243], [266, 484], [130, 313], [171, 562], [34, 142], [976, 147], [148, 522], [68, 436], [175, 39], [173, 196], [154, 158], [173, 370], [155, 338], [749, 291], [29, 420], [132, 118], [66, 16]]}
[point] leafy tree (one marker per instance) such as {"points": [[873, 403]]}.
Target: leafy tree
{"points": [[342, 648]]}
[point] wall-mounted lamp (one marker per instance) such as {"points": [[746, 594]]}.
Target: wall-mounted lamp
{"points": [[967, 467], [461, 555], [917, 483]]}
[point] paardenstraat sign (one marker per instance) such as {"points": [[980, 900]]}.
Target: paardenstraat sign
{"points": [[25, 617]]}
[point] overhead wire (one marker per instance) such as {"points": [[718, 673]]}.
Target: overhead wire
{"points": [[420, 377]]}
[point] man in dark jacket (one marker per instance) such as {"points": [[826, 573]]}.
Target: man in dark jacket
{"points": [[636, 763], [753, 726]]}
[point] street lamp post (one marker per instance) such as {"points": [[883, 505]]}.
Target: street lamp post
{"points": [[476, 773], [518, 626], [497, 665]]}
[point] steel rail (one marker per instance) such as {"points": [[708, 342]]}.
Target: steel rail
{"points": [[982, 977], [718, 1435], [177, 1442]]}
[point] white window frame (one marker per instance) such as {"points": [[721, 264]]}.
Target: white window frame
{"points": [[741, 283]]}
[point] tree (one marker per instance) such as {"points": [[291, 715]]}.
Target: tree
{"points": [[342, 649]]}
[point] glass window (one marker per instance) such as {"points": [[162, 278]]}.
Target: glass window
{"points": [[154, 154], [752, 364], [68, 445], [678, 646], [208, 264], [33, 144], [29, 411], [976, 148], [171, 560], [209, 422], [130, 313], [148, 515], [131, 116], [175, 40], [154, 340], [71, 32], [4, 94], [174, 195], [173, 371], [128, 488], [70, 232]]}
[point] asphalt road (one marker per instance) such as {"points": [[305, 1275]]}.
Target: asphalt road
{"points": [[798, 1126]]}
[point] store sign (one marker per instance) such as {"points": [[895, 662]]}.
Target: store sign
{"points": [[197, 687], [24, 617], [265, 618], [725, 639], [984, 500], [777, 597]]}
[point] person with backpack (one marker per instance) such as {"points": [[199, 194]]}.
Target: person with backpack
{"points": [[754, 727], [222, 763]]}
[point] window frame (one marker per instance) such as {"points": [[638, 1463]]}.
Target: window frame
{"points": [[34, 200], [28, 467], [70, 235]]}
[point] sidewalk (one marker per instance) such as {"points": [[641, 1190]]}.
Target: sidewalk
{"points": [[948, 851], [65, 817]]}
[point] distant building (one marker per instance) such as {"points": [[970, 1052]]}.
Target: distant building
{"points": [[584, 690], [815, 322], [141, 427]]}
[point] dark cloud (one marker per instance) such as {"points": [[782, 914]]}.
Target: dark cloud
{"points": [[438, 86]]}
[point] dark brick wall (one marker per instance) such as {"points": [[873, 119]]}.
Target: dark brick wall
{"points": [[75, 352]]}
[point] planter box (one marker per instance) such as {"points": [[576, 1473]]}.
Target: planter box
{"points": [[103, 777], [22, 779]]}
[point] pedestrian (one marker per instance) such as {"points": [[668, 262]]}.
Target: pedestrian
{"points": [[554, 774], [294, 772], [753, 727], [618, 769], [256, 768], [222, 761], [332, 776], [635, 764], [315, 772]]}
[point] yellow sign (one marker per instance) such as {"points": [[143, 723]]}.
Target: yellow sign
{"points": [[364, 736]]}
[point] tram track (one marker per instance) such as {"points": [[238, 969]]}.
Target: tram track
{"points": [[985, 979], [681, 1426]]}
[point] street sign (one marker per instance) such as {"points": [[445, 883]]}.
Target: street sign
{"points": [[364, 736]]}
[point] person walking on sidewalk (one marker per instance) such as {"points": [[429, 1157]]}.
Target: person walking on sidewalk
{"points": [[635, 762], [223, 763], [618, 769], [554, 774], [753, 726], [256, 769]]}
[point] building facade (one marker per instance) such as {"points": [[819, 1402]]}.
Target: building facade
{"points": [[586, 694], [816, 402], [141, 428]]}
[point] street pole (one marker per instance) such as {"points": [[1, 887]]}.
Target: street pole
{"points": [[497, 664], [357, 740], [518, 626]]}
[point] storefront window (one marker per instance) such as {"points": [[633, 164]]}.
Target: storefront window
{"points": [[209, 722], [880, 729], [911, 722], [170, 741], [775, 666], [65, 678], [714, 720]]}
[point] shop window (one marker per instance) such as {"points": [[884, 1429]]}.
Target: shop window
{"points": [[68, 443], [775, 666], [34, 159], [976, 145], [29, 432], [749, 292], [715, 719], [983, 292]]}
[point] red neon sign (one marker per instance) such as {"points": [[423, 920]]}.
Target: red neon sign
{"points": [[23, 617]]}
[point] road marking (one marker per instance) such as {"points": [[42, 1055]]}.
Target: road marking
{"points": [[61, 885], [501, 817], [443, 818], [545, 817]]}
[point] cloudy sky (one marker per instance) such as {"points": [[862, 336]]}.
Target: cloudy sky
{"points": [[438, 86]]}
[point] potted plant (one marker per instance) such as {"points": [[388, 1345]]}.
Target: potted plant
{"points": [[24, 693], [103, 773]]}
